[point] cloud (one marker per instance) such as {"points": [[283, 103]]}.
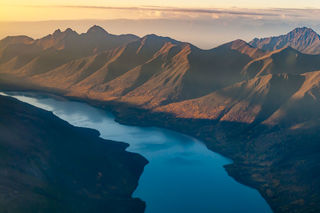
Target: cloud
{"points": [[214, 12]]}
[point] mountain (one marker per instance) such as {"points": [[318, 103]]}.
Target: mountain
{"points": [[269, 125], [50, 166], [167, 69], [256, 103], [14, 40], [302, 39], [188, 73], [95, 40], [41, 55], [255, 99], [301, 111], [246, 48], [286, 60]]}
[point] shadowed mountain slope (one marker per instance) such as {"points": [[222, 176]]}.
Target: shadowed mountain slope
{"points": [[14, 40], [50, 166], [287, 60], [302, 109], [256, 99]]}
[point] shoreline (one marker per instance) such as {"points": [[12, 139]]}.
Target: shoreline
{"points": [[163, 120], [63, 175]]}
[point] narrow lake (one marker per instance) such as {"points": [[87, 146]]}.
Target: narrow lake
{"points": [[183, 176]]}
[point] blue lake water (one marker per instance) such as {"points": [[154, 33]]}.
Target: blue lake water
{"points": [[182, 176]]}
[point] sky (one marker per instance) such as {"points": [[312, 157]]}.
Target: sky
{"points": [[206, 23], [35, 10]]}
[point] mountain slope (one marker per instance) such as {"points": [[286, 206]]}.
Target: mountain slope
{"points": [[50, 166], [246, 48], [286, 60], [14, 40], [39, 56], [173, 72], [269, 125], [303, 39], [302, 109], [245, 102], [151, 71]]}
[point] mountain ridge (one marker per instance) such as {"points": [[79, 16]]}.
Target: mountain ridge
{"points": [[255, 106], [285, 60], [303, 39]]}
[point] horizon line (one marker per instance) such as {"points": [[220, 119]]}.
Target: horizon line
{"points": [[151, 34]]}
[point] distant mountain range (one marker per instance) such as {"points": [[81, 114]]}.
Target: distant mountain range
{"points": [[302, 39], [267, 90]]}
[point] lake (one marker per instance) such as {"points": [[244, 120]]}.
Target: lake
{"points": [[182, 176]]}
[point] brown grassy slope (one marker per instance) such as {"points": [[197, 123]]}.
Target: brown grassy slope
{"points": [[287, 60], [177, 71], [73, 72], [246, 48], [302, 109], [149, 72], [246, 102]]}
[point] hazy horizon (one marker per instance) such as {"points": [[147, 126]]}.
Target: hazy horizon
{"points": [[204, 33], [203, 23]]}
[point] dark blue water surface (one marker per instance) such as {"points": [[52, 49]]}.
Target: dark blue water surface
{"points": [[183, 176]]}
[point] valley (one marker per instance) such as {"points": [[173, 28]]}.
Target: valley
{"points": [[256, 103]]}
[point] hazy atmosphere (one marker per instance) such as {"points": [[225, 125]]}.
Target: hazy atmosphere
{"points": [[203, 23]]}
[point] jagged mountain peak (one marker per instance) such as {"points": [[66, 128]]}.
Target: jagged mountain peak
{"points": [[299, 31], [69, 30], [304, 33], [303, 39], [58, 33], [57, 39], [303, 29]]}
